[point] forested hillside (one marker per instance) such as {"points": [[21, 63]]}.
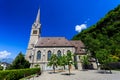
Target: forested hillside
{"points": [[104, 35]]}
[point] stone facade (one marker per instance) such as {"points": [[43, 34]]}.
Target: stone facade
{"points": [[44, 55], [39, 47]]}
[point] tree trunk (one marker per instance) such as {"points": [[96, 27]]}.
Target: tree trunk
{"points": [[54, 68], [64, 67], [69, 68], [110, 71]]}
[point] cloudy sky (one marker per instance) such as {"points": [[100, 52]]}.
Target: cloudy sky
{"points": [[58, 18]]}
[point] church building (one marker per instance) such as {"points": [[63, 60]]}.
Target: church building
{"points": [[40, 48]]}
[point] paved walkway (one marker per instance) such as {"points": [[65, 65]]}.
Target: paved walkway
{"points": [[78, 75]]}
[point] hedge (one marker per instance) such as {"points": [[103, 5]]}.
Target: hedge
{"points": [[17, 74], [114, 65]]}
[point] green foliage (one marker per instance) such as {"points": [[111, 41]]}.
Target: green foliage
{"points": [[103, 56], [61, 61], [19, 62], [37, 65], [114, 58], [84, 59], [69, 60], [103, 36], [17, 74], [1, 68], [53, 61]]}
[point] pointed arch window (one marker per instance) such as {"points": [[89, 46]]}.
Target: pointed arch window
{"points": [[49, 55], [38, 55], [58, 53]]}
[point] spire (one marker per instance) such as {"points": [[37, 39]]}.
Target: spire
{"points": [[38, 16]]}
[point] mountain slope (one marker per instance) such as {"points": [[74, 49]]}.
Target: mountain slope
{"points": [[7, 60], [105, 34]]}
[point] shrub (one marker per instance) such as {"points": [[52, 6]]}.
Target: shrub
{"points": [[3, 74], [17, 74]]}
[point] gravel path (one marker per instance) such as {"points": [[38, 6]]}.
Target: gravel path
{"points": [[78, 75]]}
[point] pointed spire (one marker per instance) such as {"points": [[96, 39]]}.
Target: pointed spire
{"points": [[38, 16]]}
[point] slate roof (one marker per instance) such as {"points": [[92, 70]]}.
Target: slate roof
{"points": [[53, 41], [79, 46], [61, 42]]}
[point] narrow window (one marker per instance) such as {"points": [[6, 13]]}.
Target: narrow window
{"points": [[49, 55], [58, 53], [38, 55]]}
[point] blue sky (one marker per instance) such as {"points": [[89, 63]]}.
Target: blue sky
{"points": [[58, 18]]}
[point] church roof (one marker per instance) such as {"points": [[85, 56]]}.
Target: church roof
{"points": [[61, 42], [53, 41], [80, 47], [77, 43]]}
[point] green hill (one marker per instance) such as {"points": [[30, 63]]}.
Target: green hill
{"points": [[105, 34]]}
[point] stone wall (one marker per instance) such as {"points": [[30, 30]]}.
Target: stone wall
{"points": [[44, 54]]}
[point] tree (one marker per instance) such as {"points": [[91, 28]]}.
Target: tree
{"points": [[105, 34], [85, 61], [62, 61], [69, 60], [53, 61], [20, 62], [104, 59]]}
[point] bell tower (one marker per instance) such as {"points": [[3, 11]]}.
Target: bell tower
{"points": [[34, 35], [35, 31]]}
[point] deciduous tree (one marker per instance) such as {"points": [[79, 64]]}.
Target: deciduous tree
{"points": [[53, 61]]}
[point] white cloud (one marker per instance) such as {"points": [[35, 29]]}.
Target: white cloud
{"points": [[4, 54], [79, 28]]}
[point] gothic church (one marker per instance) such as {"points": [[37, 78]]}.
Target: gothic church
{"points": [[40, 48]]}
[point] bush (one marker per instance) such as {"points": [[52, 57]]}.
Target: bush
{"points": [[3, 74], [17, 74]]}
